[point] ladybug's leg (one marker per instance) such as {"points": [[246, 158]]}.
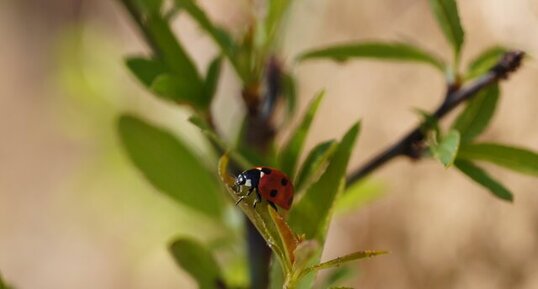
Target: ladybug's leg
{"points": [[258, 198], [272, 205], [246, 196]]}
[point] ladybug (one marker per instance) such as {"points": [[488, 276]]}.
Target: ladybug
{"points": [[269, 184]]}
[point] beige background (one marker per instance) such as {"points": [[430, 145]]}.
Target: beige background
{"points": [[74, 214]]}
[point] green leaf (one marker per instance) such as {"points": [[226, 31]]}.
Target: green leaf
{"points": [[484, 62], [219, 35], [169, 50], [342, 260], [196, 260], [314, 164], [170, 166], [311, 214], [477, 114], [446, 12], [180, 90], [358, 194], [290, 153], [378, 50], [514, 158], [276, 11], [149, 6], [447, 149], [212, 78], [145, 70], [219, 144], [481, 177]]}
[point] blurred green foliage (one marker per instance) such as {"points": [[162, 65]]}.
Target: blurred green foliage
{"points": [[297, 237]]}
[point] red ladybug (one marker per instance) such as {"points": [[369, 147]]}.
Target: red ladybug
{"points": [[270, 184]]}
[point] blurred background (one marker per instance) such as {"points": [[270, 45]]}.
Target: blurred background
{"points": [[74, 213]]}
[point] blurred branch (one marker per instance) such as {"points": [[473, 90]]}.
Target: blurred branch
{"points": [[412, 144]]}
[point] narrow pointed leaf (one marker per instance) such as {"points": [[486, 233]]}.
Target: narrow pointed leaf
{"points": [[312, 213], [314, 164], [446, 13], [481, 177], [342, 260], [377, 50], [180, 90], [212, 78], [447, 149], [170, 166], [145, 70], [514, 158], [219, 144], [219, 35], [287, 236], [477, 114], [291, 151], [484, 62], [198, 262], [275, 15], [169, 49]]}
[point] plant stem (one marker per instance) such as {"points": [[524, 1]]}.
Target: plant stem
{"points": [[411, 145]]}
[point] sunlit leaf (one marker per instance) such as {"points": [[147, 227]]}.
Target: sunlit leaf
{"points": [[145, 70], [377, 50], [212, 78], [477, 114], [484, 62], [291, 151], [481, 177], [196, 260], [180, 90], [170, 166], [312, 213], [342, 260], [514, 158], [447, 149], [446, 13], [314, 164]]}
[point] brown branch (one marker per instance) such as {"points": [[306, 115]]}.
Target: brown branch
{"points": [[412, 144]]}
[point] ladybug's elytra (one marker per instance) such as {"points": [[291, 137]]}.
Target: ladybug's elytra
{"points": [[270, 184]]}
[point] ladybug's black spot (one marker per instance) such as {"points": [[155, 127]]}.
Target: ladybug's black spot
{"points": [[284, 181], [266, 171], [273, 193]]}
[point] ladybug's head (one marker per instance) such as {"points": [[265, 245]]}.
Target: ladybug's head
{"points": [[241, 180]]}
